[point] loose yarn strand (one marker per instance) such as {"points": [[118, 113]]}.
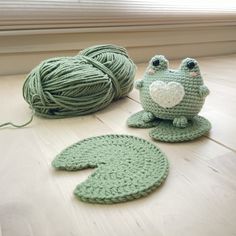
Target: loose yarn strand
{"points": [[18, 126]]}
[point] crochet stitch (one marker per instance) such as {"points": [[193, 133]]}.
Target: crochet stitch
{"points": [[166, 132], [137, 121], [171, 100], [127, 167]]}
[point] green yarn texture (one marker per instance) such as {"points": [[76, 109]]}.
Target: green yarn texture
{"points": [[164, 130], [79, 85], [126, 167]]}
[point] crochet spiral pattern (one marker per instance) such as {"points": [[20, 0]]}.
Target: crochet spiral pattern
{"points": [[127, 167], [79, 85]]}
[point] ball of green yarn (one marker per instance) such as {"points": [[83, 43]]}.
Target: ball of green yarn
{"points": [[79, 85]]}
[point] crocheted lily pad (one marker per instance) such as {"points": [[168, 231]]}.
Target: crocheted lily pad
{"points": [[127, 167], [166, 132], [136, 121]]}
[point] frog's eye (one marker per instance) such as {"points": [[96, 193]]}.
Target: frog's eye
{"points": [[156, 62], [191, 64]]}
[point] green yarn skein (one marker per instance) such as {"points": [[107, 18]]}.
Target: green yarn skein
{"points": [[79, 85]]}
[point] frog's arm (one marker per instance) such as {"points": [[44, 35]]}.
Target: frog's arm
{"points": [[138, 84], [203, 91]]}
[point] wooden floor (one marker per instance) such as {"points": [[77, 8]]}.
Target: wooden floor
{"points": [[198, 198]]}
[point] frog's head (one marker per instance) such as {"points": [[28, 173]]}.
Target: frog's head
{"points": [[167, 87], [187, 73]]}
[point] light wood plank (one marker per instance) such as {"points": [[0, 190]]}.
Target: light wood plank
{"points": [[198, 197]]}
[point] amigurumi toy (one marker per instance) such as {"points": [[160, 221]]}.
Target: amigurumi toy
{"points": [[176, 95], [173, 98]]}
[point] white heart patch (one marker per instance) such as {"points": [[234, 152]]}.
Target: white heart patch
{"points": [[166, 95]]}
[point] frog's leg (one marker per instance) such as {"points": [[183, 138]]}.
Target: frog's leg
{"points": [[180, 122], [148, 116]]}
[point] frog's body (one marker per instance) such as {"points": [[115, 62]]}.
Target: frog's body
{"points": [[176, 95]]}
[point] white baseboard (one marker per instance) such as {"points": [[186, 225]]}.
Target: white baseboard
{"points": [[19, 53]]}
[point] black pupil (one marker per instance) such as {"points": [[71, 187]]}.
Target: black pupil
{"points": [[156, 62], [190, 64]]}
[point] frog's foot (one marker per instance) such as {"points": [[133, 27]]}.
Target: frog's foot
{"points": [[137, 120], [180, 122], [147, 116]]}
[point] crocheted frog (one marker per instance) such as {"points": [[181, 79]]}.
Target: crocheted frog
{"points": [[176, 95]]}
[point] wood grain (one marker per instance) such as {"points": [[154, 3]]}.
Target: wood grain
{"points": [[198, 198]]}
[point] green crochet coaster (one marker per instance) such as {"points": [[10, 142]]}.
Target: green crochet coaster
{"points": [[127, 167], [136, 121], [166, 132]]}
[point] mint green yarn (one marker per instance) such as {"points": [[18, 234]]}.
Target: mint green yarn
{"points": [[127, 167], [79, 85]]}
